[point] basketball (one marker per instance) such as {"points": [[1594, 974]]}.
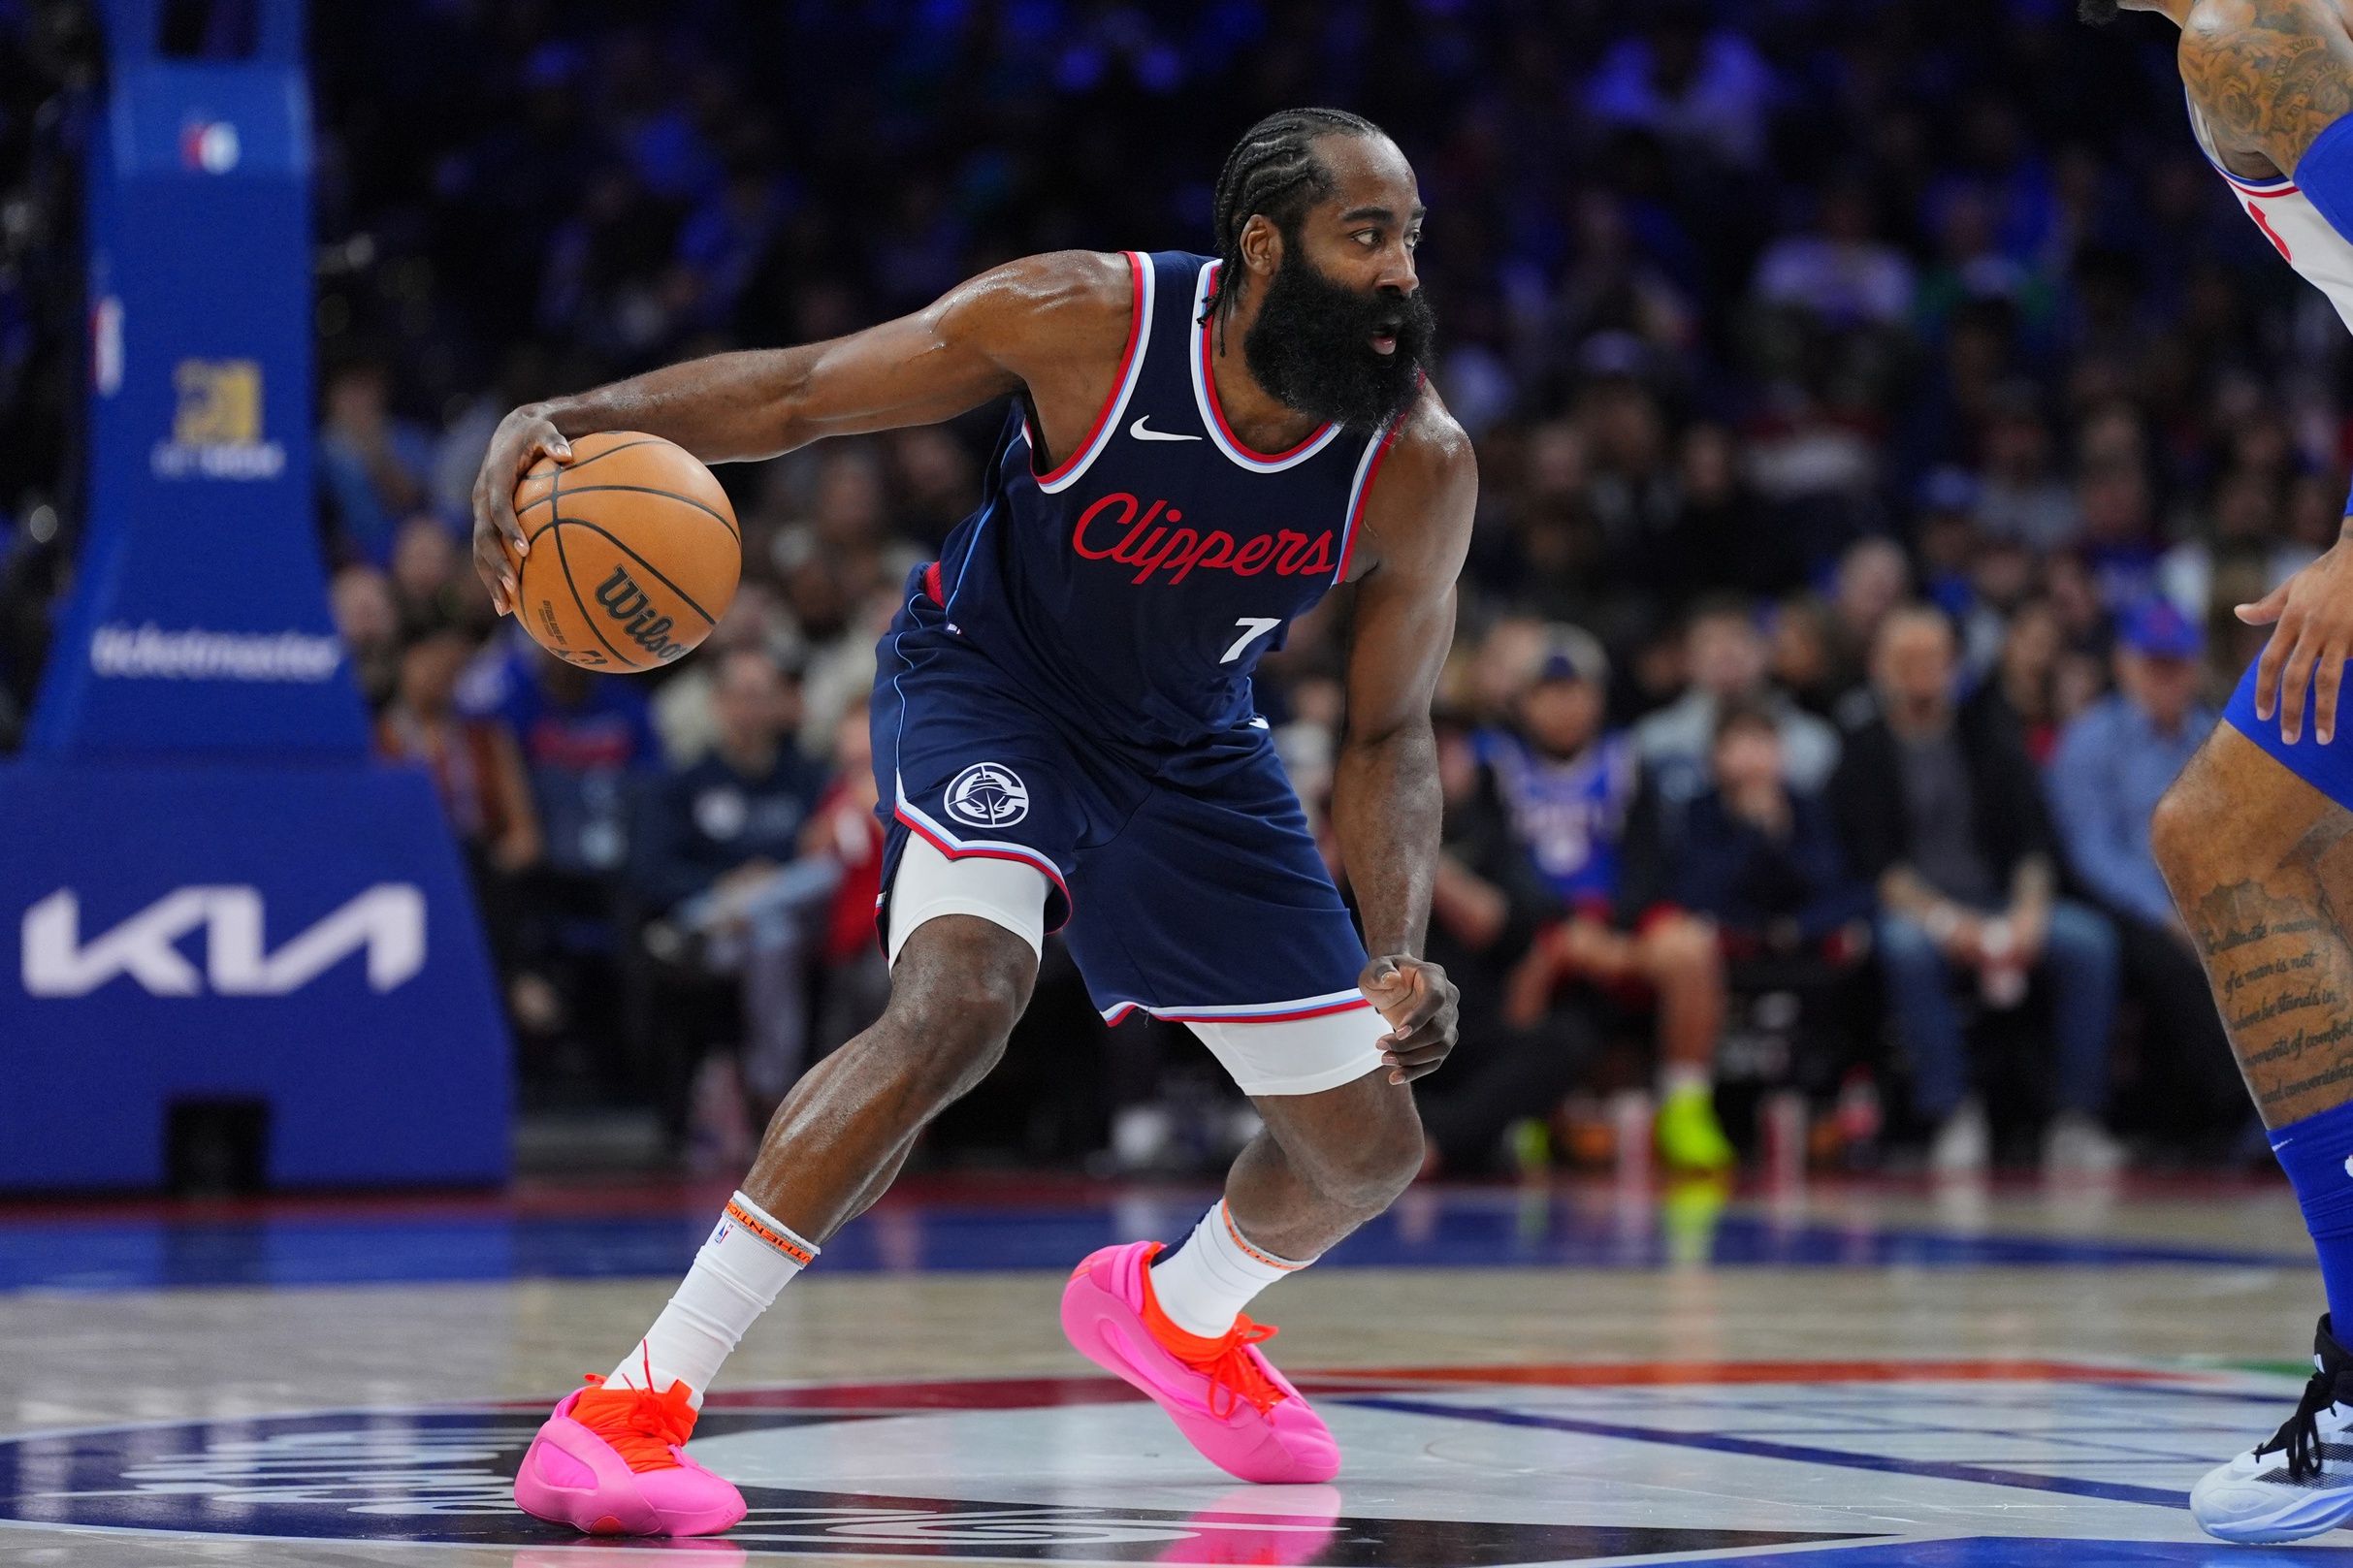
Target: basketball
{"points": [[634, 551]]}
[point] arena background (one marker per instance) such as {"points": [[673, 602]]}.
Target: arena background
{"points": [[1815, 304]]}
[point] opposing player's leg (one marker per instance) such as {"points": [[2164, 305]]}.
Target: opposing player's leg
{"points": [[964, 939], [2258, 850]]}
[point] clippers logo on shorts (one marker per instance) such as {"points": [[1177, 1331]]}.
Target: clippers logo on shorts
{"points": [[987, 794]]}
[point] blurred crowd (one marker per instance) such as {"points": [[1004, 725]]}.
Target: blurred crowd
{"points": [[1880, 404]]}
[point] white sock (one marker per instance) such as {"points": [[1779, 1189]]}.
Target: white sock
{"points": [[1204, 1285], [1684, 1077], [736, 1278]]}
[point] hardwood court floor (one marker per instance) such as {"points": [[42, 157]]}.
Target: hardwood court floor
{"points": [[1853, 1378]]}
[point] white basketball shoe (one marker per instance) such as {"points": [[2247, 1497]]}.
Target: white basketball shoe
{"points": [[2300, 1481]]}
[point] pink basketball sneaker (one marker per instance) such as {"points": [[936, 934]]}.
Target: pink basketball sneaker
{"points": [[1224, 1395], [609, 1462]]}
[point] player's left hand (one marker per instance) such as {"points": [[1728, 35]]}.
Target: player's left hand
{"points": [[1419, 1002], [2311, 620]]}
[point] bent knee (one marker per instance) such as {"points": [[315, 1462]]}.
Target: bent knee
{"points": [[2235, 812], [2180, 829], [1680, 945], [1370, 1175], [956, 995]]}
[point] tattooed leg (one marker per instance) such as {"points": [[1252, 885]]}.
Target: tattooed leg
{"points": [[2261, 865]]}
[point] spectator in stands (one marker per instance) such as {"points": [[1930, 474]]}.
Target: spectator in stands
{"points": [[1839, 274], [720, 839], [1725, 656], [2027, 674], [1873, 577], [368, 619], [429, 581], [2019, 498], [2111, 764], [477, 771], [474, 762], [1566, 787], [1802, 660], [1940, 807], [374, 469], [1721, 539], [855, 976], [1760, 857], [588, 750], [1705, 90], [683, 711], [1487, 908]]}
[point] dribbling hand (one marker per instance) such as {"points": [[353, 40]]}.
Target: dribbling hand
{"points": [[2311, 620], [523, 437], [1419, 1000]]}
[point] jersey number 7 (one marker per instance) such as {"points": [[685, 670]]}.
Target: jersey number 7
{"points": [[1257, 626]]}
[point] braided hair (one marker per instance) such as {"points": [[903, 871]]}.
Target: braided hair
{"points": [[1272, 170]]}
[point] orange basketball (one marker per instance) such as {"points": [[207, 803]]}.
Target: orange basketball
{"points": [[634, 551]]}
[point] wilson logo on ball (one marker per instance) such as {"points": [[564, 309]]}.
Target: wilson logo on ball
{"points": [[627, 603], [631, 553]]}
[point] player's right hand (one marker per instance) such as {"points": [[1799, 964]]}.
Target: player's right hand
{"points": [[2311, 620], [522, 439]]}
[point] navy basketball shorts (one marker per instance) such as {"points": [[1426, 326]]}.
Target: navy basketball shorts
{"points": [[2328, 769], [1187, 885]]}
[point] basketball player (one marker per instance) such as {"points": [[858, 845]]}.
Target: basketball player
{"points": [[2255, 838], [1199, 449]]}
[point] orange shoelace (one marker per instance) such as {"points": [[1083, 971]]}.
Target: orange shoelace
{"points": [[639, 1424], [1233, 1372], [1226, 1360]]}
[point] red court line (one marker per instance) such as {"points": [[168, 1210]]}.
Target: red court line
{"points": [[946, 1394], [1622, 1374], [1036, 1392]]}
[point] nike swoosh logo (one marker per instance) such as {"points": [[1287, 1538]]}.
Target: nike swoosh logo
{"points": [[1137, 431]]}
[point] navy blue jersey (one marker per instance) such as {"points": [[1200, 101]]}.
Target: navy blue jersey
{"points": [[1130, 589]]}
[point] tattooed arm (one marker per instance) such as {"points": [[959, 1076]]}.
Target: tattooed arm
{"points": [[2269, 75]]}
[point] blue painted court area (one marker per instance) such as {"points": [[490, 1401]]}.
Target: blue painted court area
{"points": [[1459, 1230]]}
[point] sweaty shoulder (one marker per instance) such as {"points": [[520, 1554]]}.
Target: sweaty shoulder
{"points": [[1418, 516], [2270, 75]]}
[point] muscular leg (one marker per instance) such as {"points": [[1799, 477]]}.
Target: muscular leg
{"points": [[1325, 1164], [2261, 864], [842, 1134]]}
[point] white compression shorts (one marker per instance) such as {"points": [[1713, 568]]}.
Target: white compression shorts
{"points": [[1287, 1056]]}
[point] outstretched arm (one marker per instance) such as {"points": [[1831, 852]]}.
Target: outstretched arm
{"points": [[1055, 324], [1386, 802]]}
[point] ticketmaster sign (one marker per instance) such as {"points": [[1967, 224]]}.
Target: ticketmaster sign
{"points": [[153, 653]]}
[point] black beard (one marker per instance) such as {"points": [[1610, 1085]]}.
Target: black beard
{"points": [[2097, 13], [1311, 347]]}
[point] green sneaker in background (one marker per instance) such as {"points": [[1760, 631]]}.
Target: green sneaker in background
{"points": [[1689, 1138]]}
